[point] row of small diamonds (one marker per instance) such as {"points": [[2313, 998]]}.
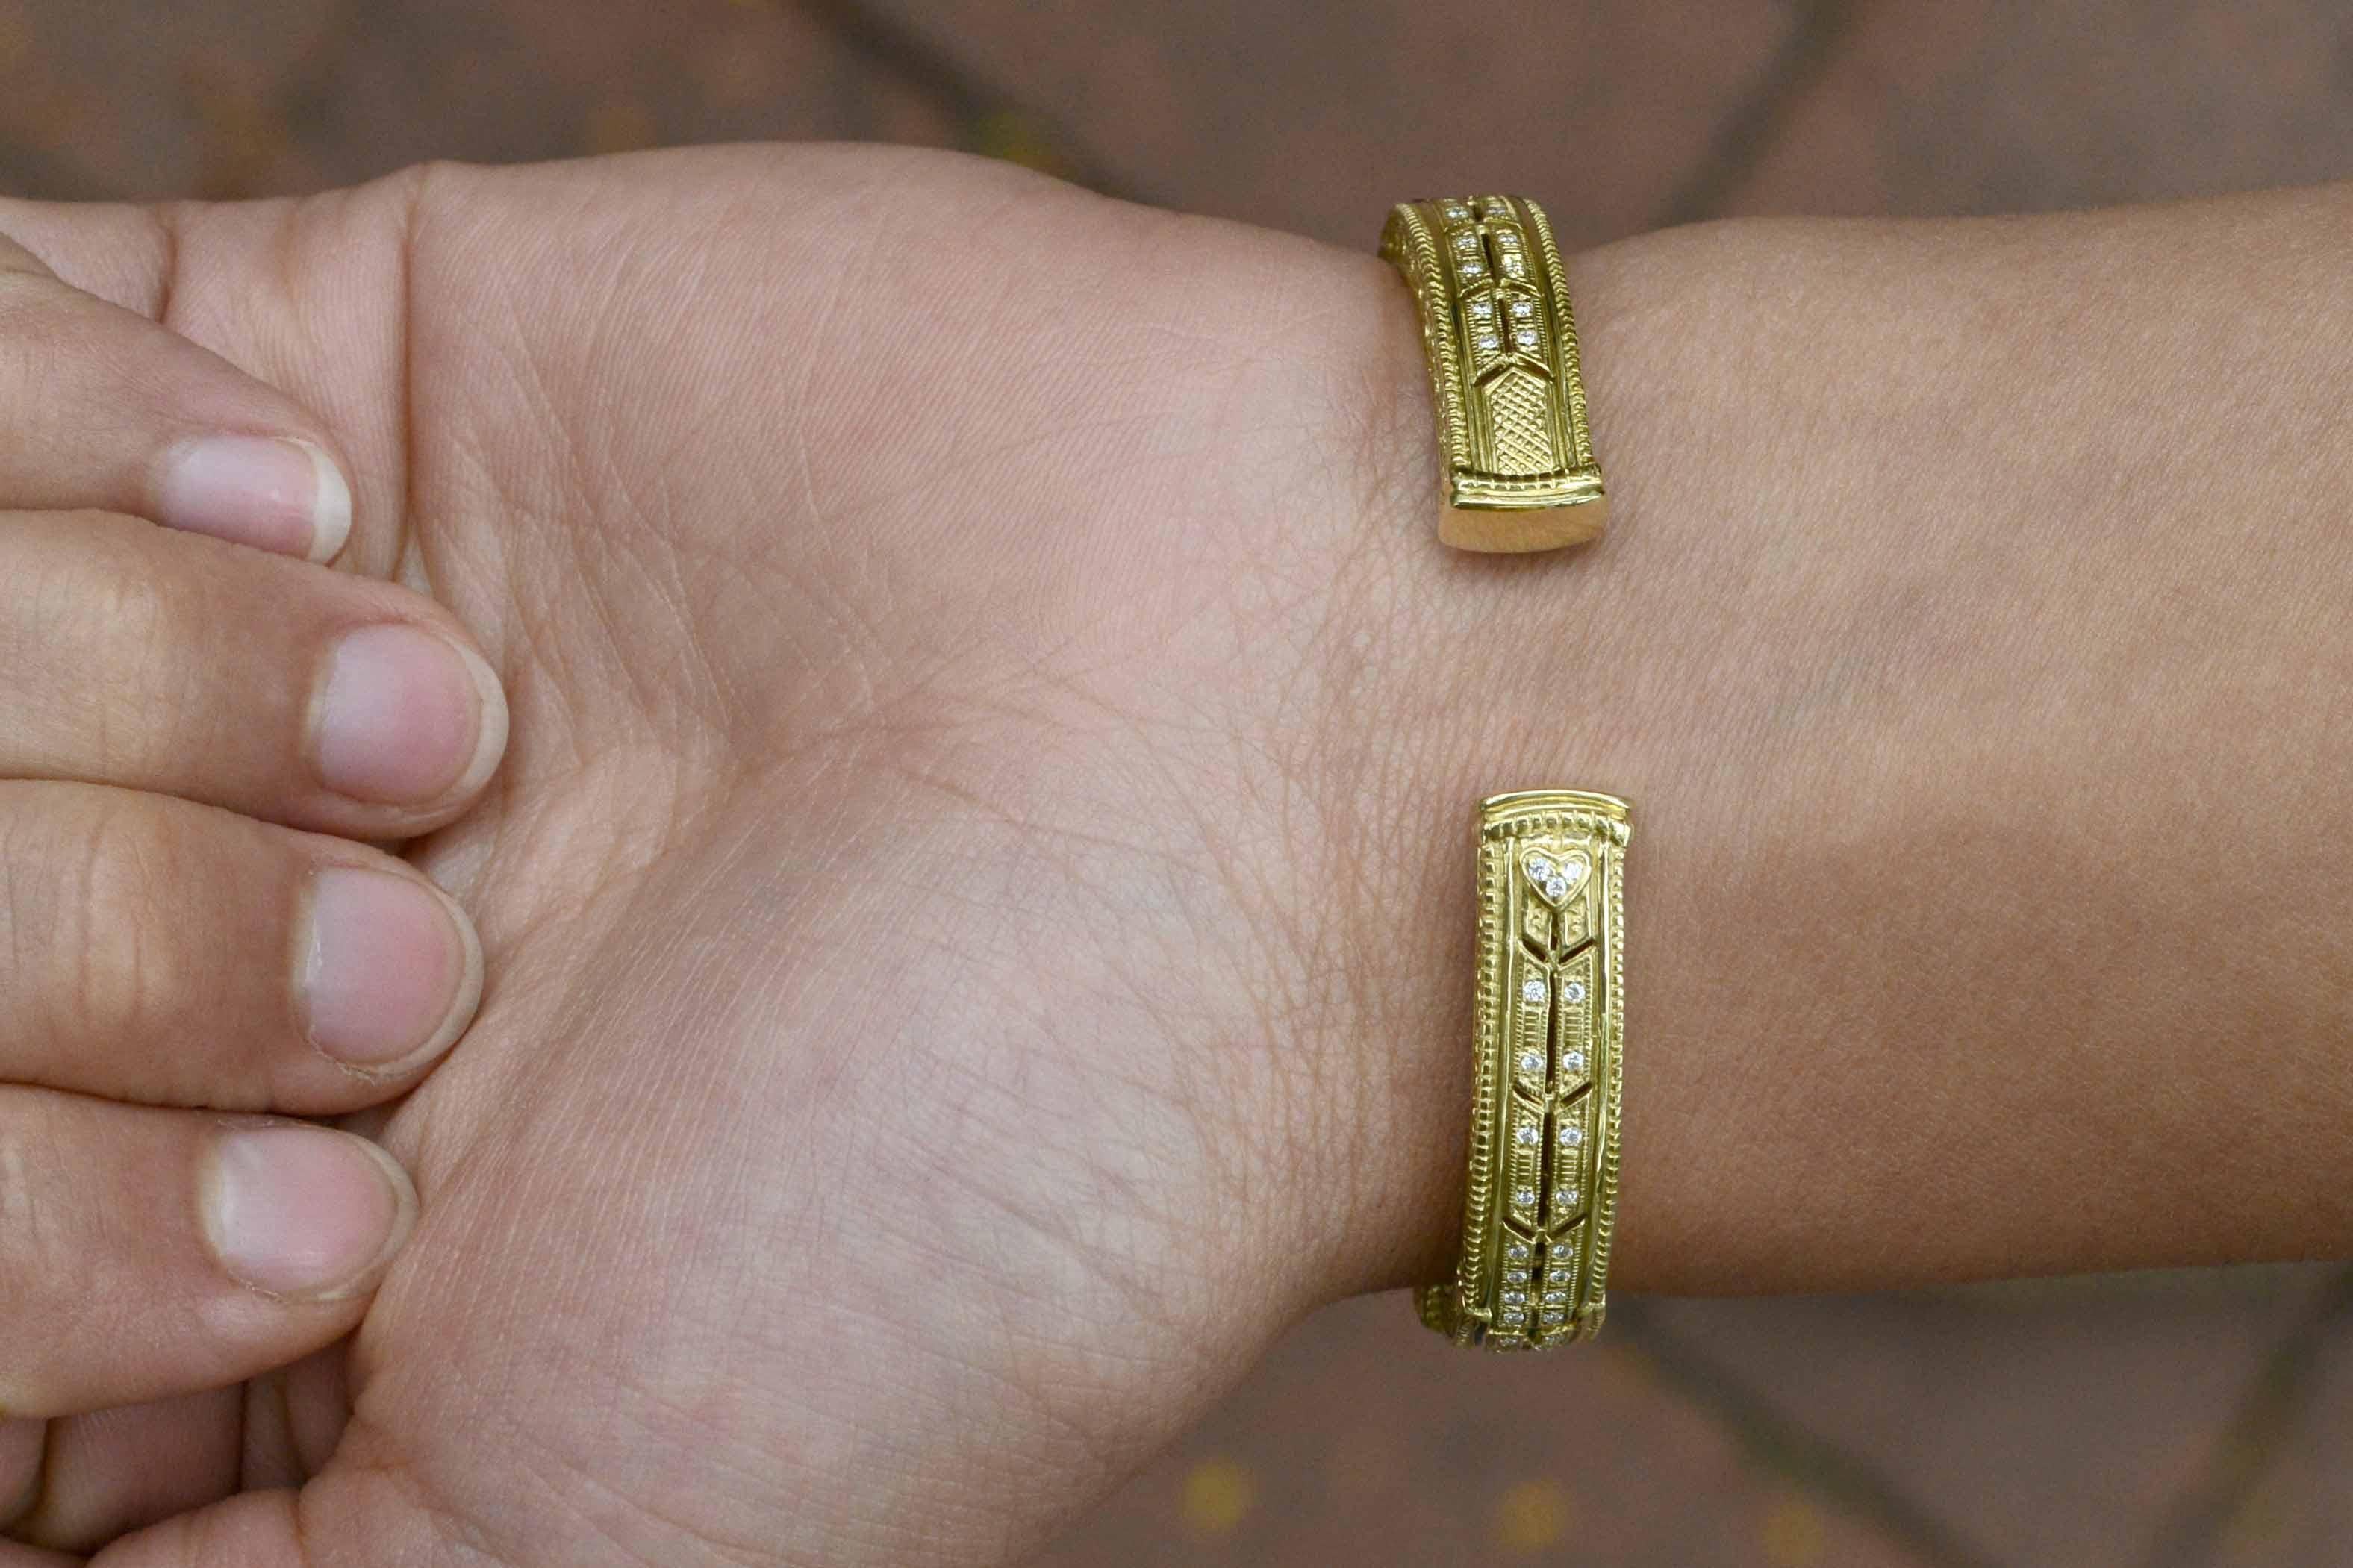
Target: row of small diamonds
{"points": [[1520, 1283], [1478, 314], [1463, 236], [1551, 1305]]}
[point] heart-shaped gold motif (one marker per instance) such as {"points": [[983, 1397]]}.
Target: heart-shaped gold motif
{"points": [[1557, 874]]}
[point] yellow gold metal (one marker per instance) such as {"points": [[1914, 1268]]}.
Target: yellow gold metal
{"points": [[1542, 1199], [1502, 346]]}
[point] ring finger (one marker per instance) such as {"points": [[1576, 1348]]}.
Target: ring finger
{"points": [[156, 950]]}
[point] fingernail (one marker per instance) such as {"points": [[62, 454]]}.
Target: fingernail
{"points": [[390, 970], [406, 718], [303, 1211], [283, 496]]}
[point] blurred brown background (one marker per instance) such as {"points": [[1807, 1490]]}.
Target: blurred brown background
{"points": [[2158, 1421]]}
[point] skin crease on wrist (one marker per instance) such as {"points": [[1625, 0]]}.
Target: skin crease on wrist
{"points": [[1970, 639]]}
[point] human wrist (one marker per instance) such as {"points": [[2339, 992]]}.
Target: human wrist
{"points": [[1804, 651], [1680, 662], [1891, 535], [1427, 704], [1433, 678]]}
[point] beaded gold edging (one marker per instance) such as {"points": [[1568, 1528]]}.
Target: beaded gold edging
{"points": [[1605, 1179], [1540, 1201], [1500, 341], [1411, 246]]}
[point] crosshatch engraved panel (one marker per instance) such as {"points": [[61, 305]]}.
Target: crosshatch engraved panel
{"points": [[1541, 1199], [1518, 423]]}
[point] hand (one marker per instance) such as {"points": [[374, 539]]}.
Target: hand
{"points": [[185, 722], [876, 1099], [977, 901]]}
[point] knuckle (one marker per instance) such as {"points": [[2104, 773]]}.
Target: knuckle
{"points": [[123, 978], [35, 323], [27, 296], [57, 1237], [43, 1252], [83, 918], [92, 618]]}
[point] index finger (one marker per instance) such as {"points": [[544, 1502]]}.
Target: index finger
{"points": [[102, 408]]}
